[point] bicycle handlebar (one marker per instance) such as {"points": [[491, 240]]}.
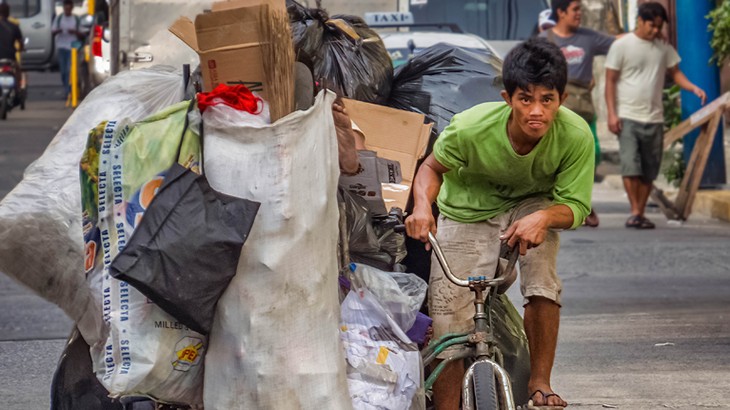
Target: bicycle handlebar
{"points": [[512, 257]]}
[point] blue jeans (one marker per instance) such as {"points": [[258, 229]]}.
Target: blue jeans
{"points": [[64, 65]]}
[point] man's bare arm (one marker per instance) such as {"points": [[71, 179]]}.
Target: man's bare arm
{"points": [[614, 123], [681, 80], [425, 190]]}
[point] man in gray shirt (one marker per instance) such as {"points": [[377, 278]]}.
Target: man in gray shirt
{"points": [[579, 45]]}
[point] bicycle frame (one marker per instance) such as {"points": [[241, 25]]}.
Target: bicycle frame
{"points": [[480, 343]]}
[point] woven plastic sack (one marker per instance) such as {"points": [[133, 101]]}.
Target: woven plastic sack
{"points": [[146, 351], [40, 223], [274, 342]]}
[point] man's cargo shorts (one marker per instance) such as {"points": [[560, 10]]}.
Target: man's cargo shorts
{"points": [[472, 249]]}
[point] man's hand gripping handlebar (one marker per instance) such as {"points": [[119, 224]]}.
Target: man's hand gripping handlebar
{"points": [[511, 254]]}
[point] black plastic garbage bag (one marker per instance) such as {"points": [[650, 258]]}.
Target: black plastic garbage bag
{"points": [[391, 242], [372, 240], [444, 80], [75, 386], [342, 50], [185, 250]]}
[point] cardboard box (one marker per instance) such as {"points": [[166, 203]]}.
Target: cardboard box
{"points": [[396, 135], [235, 4], [369, 181], [245, 42]]}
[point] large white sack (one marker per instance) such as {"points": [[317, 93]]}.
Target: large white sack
{"points": [[274, 343], [41, 242]]}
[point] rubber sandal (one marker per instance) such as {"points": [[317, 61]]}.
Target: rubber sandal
{"points": [[633, 222], [592, 219], [645, 223], [532, 406]]}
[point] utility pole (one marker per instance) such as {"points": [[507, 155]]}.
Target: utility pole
{"points": [[693, 45], [114, 10]]}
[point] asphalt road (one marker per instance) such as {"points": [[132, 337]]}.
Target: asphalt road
{"points": [[32, 331], [646, 316]]}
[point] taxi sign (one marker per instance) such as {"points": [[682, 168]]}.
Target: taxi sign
{"points": [[387, 18]]}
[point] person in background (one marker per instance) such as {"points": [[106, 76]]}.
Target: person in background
{"points": [[579, 46], [11, 41], [545, 21], [635, 70], [66, 31], [515, 172]]}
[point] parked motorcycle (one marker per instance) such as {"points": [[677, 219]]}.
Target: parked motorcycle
{"points": [[11, 95]]}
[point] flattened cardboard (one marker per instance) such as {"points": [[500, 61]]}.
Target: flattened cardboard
{"points": [[234, 4], [396, 135]]}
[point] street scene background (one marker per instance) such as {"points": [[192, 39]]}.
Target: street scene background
{"points": [[645, 318]]}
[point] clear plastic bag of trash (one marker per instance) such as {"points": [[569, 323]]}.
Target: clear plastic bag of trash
{"points": [[384, 367], [400, 293]]}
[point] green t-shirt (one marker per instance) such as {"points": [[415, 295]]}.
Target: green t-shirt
{"points": [[487, 177]]}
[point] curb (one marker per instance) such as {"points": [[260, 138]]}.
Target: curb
{"points": [[713, 203]]}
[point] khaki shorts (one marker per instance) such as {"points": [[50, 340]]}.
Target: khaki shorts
{"points": [[472, 249], [640, 149]]}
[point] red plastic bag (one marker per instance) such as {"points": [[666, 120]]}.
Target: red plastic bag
{"points": [[235, 96]]}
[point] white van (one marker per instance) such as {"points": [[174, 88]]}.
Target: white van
{"points": [[133, 34], [139, 35], [35, 18]]}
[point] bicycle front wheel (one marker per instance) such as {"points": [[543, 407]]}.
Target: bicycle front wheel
{"points": [[485, 388]]}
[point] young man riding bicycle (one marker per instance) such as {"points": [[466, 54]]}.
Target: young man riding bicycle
{"points": [[513, 171]]}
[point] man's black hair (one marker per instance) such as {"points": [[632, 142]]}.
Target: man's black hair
{"points": [[535, 62], [65, 2], [4, 10], [559, 5], [651, 10]]}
